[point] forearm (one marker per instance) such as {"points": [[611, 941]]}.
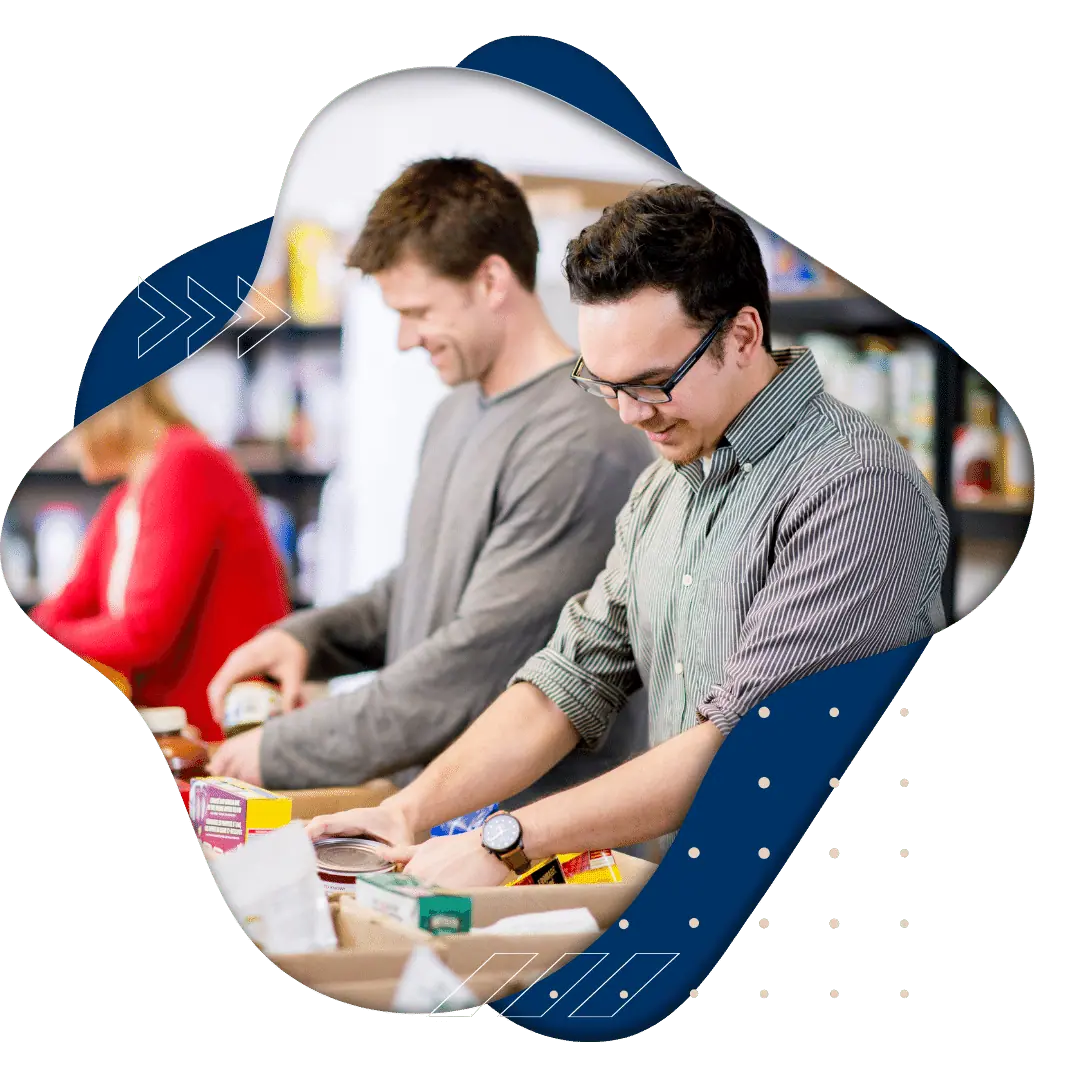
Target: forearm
{"points": [[347, 637], [513, 743], [646, 798]]}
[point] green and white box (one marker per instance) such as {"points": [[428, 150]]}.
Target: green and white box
{"points": [[407, 901]]}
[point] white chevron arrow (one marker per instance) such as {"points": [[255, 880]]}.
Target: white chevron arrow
{"points": [[193, 290], [144, 292], [241, 349]]}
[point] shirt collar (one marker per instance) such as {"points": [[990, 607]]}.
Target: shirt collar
{"points": [[773, 412]]}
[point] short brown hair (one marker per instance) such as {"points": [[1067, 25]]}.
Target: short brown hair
{"points": [[451, 213], [677, 238]]}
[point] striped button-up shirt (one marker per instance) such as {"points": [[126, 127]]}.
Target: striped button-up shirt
{"points": [[812, 541]]}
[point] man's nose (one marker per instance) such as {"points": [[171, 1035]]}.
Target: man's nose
{"points": [[408, 337], [631, 411]]}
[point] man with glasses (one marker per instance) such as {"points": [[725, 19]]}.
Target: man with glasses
{"points": [[520, 480], [780, 534]]}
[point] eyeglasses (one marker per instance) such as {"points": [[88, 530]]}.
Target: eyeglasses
{"points": [[643, 392]]}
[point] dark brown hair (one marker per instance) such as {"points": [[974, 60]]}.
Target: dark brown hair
{"points": [[676, 237], [451, 213]]}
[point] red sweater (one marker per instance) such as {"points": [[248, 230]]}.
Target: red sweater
{"points": [[204, 577]]}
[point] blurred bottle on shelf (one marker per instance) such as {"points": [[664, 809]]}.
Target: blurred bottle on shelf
{"points": [[282, 527], [977, 445], [871, 381], [307, 563], [1018, 468], [790, 271], [334, 548], [301, 433], [270, 395], [317, 251], [209, 388], [17, 562], [318, 377], [911, 394], [58, 532], [837, 361]]}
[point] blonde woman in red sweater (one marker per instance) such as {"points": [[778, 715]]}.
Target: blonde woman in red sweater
{"points": [[177, 568]]}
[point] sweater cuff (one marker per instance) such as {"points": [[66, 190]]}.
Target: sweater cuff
{"points": [[589, 703], [304, 626]]}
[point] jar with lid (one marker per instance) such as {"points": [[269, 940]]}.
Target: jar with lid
{"points": [[251, 703], [187, 757]]}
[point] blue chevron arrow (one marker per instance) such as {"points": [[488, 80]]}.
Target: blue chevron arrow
{"points": [[164, 317]]}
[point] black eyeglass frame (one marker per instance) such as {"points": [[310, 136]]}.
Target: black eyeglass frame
{"points": [[632, 389]]}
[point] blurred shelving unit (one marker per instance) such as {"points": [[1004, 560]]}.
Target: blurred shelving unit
{"points": [[807, 299], [991, 519], [277, 471]]}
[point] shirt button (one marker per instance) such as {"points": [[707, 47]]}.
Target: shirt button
{"points": [[687, 579], [678, 667], [747, 467]]}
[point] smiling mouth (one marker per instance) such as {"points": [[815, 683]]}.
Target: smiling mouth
{"points": [[661, 435]]}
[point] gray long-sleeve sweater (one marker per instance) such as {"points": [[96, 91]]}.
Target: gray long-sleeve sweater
{"points": [[513, 512]]}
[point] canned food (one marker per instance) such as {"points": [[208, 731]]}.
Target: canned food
{"points": [[343, 859], [249, 704]]}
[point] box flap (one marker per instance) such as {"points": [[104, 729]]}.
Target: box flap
{"points": [[312, 802]]}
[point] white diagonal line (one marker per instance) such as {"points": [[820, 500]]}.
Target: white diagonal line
{"points": [[159, 314], [241, 283], [210, 316], [586, 1016], [566, 993], [529, 957]]}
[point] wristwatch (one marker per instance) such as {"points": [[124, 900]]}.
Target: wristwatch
{"points": [[501, 835]]}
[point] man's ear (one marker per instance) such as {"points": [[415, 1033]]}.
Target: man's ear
{"points": [[746, 334], [494, 280]]}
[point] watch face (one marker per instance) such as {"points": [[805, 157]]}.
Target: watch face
{"points": [[501, 833]]}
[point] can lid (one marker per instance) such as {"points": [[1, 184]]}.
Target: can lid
{"points": [[351, 855], [166, 720]]}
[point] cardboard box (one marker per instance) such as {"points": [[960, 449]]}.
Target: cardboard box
{"points": [[312, 802], [374, 949], [468, 953]]}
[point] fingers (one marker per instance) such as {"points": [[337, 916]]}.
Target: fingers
{"points": [[236, 666], [220, 762], [339, 824], [400, 854], [289, 676]]}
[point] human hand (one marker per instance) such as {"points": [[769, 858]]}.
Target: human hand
{"points": [[238, 758], [451, 862], [274, 653], [384, 822]]}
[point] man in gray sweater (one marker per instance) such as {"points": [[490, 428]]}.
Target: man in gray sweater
{"points": [[521, 478]]}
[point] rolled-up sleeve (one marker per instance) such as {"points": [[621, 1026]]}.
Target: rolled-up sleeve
{"points": [[588, 668], [853, 564]]}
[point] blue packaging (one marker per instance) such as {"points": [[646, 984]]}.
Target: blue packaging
{"points": [[465, 823]]}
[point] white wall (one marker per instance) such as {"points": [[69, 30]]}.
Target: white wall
{"points": [[351, 151]]}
